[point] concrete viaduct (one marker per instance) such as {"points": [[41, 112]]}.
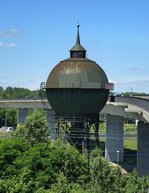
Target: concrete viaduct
{"points": [[116, 110]]}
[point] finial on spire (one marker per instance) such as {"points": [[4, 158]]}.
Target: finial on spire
{"points": [[78, 24], [78, 34]]}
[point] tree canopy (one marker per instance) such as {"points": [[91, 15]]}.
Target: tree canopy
{"points": [[55, 166], [32, 163], [19, 93], [35, 129]]}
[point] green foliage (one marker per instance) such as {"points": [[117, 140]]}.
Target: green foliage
{"points": [[31, 163], [10, 149], [136, 184], [10, 115], [58, 167], [35, 129], [39, 166], [19, 93], [104, 179], [133, 94], [62, 186], [130, 127], [2, 117], [20, 132], [11, 93]]}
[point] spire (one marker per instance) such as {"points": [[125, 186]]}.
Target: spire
{"points": [[77, 50], [78, 35]]}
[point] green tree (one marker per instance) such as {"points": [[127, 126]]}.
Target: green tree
{"points": [[10, 115], [43, 165], [35, 129], [103, 178], [1, 91], [135, 184], [15, 93], [58, 167], [2, 117], [10, 149], [133, 93]]}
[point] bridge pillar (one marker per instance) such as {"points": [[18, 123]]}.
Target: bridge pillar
{"points": [[143, 149], [22, 114], [51, 123], [114, 150]]}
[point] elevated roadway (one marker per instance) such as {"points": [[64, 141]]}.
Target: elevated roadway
{"points": [[127, 107], [141, 101]]}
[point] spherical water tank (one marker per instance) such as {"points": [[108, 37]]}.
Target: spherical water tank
{"points": [[77, 85]]}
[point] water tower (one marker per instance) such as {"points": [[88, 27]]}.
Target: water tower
{"points": [[77, 89]]}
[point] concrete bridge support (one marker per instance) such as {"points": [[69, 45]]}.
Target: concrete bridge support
{"points": [[114, 150], [22, 114], [51, 123], [143, 149]]}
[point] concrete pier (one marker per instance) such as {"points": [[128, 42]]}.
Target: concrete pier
{"points": [[114, 150], [143, 149], [22, 114]]}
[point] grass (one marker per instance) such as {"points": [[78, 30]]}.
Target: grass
{"points": [[130, 144], [128, 128]]}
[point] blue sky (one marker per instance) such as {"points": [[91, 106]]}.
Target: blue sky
{"points": [[36, 34]]}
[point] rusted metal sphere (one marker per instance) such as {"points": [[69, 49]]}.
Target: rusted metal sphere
{"points": [[77, 85]]}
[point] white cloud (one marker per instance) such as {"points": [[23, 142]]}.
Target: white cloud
{"points": [[7, 45], [9, 33], [11, 45]]}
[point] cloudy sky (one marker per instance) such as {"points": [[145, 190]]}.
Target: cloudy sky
{"points": [[36, 34]]}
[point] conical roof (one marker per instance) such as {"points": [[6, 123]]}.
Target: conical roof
{"points": [[78, 47]]}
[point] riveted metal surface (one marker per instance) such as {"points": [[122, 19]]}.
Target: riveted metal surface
{"points": [[77, 101], [77, 73]]}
